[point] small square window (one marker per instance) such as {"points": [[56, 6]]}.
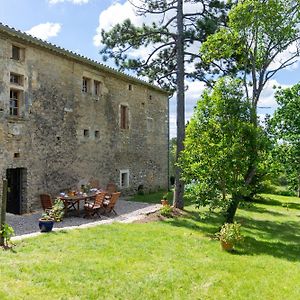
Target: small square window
{"points": [[16, 79], [86, 133], [16, 155], [97, 134]]}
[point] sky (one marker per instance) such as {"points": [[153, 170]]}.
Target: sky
{"points": [[75, 25]]}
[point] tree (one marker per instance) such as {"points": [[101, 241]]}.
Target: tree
{"points": [[217, 147], [172, 158], [286, 127], [171, 39], [257, 34]]}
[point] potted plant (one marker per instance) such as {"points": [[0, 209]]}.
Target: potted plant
{"points": [[229, 235], [164, 200], [46, 223], [57, 211]]}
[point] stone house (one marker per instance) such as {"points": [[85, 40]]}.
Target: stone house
{"points": [[66, 120]]}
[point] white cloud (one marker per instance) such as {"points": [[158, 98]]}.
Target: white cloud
{"points": [[285, 55], [114, 14], [78, 2], [117, 13], [267, 98], [45, 31]]}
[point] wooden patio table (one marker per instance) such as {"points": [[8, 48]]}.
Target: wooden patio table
{"points": [[74, 201]]}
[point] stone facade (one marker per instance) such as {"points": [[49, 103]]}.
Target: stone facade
{"points": [[66, 120]]}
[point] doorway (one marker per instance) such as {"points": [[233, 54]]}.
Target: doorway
{"points": [[15, 184]]}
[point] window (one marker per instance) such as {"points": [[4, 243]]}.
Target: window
{"points": [[14, 102], [86, 84], [86, 133], [124, 117], [16, 79], [130, 87], [97, 88], [16, 53], [124, 178], [97, 134], [150, 124]]}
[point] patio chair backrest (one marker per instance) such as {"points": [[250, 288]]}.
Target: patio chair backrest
{"points": [[46, 201], [113, 200], [111, 188], [100, 198]]}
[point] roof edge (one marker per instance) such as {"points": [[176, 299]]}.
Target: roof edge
{"points": [[72, 55]]}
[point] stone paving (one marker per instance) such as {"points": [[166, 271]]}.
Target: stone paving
{"points": [[27, 225]]}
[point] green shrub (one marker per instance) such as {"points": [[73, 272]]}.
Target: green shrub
{"points": [[230, 233], [6, 233], [57, 210], [166, 211]]}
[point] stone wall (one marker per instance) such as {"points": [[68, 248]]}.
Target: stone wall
{"points": [[64, 137]]}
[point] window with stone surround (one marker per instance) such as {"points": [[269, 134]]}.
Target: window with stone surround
{"points": [[124, 117], [17, 53], [16, 79], [124, 178], [97, 134], [14, 102], [86, 133], [97, 88], [86, 84]]}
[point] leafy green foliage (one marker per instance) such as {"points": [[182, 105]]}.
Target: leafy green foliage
{"points": [[160, 65], [230, 233], [6, 233], [218, 145], [56, 212], [256, 33], [166, 211], [285, 126]]}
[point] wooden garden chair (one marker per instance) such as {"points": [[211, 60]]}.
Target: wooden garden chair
{"points": [[46, 202], [94, 208], [110, 205]]}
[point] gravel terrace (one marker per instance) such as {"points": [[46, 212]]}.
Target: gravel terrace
{"points": [[28, 223]]}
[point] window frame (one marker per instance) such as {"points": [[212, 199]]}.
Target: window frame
{"points": [[17, 53], [14, 103], [124, 116], [86, 84], [126, 181], [19, 77], [97, 88], [86, 133]]}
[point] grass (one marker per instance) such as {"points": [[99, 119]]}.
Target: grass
{"points": [[154, 197], [175, 259]]}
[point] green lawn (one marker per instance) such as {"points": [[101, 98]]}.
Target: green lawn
{"points": [[175, 259], [154, 197]]}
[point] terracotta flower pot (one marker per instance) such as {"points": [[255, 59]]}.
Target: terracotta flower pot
{"points": [[226, 246], [164, 202]]}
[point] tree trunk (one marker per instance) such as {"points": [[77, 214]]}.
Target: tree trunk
{"points": [[232, 208], [3, 209], [179, 185]]}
